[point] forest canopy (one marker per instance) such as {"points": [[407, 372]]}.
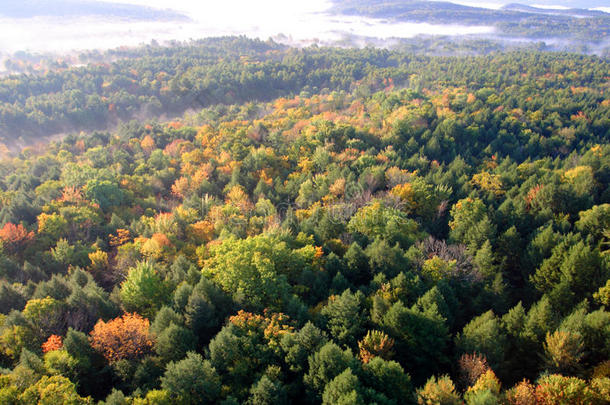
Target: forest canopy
{"points": [[324, 226]]}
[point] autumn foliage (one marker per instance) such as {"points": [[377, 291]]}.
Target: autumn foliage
{"points": [[273, 325], [374, 344], [122, 236], [54, 342], [421, 222], [126, 337], [472, 366], [15, 237]]}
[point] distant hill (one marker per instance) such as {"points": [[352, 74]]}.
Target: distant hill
{"points": [[402, 8], [582, 4], [576, 12], [82, 8], [513, 20]]}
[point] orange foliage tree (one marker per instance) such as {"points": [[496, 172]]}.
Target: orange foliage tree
{"points": [[202, 231], [148, 144], [54, 342], [121, 338], [15, 237], [523, 393], [122, 236], [181, 187]]}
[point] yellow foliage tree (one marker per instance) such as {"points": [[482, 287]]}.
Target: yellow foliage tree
{"points": [[148, 144], [375, 343]]}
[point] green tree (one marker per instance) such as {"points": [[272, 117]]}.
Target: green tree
{"points": [[191, 380], [268, 391], [421, 339], [174, 342], [602, 295], [386, 259], [115, 397], [53, 390], [541, 318], [206, 309], [343, 390], [91, 374], [245, 347], [434, 300], [388, 378], [358, 271], [59, 362], [105, 193], [471, 224], [302, 344], [325, 365], [144, 291], [392, 225], [256, 270], [483, 335], [45, 315], [165, 317], [345, 318], [594, 221]]}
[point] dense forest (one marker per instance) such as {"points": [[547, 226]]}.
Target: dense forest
{"points": [[324, 226], [153, 81]]}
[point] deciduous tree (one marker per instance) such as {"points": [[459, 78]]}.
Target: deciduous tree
{"points": [[121, 338]]}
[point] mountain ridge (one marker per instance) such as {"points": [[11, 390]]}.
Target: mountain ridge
{"points": [[82, 8]]}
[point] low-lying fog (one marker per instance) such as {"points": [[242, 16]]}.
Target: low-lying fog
{"points": [[286, 21]]}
